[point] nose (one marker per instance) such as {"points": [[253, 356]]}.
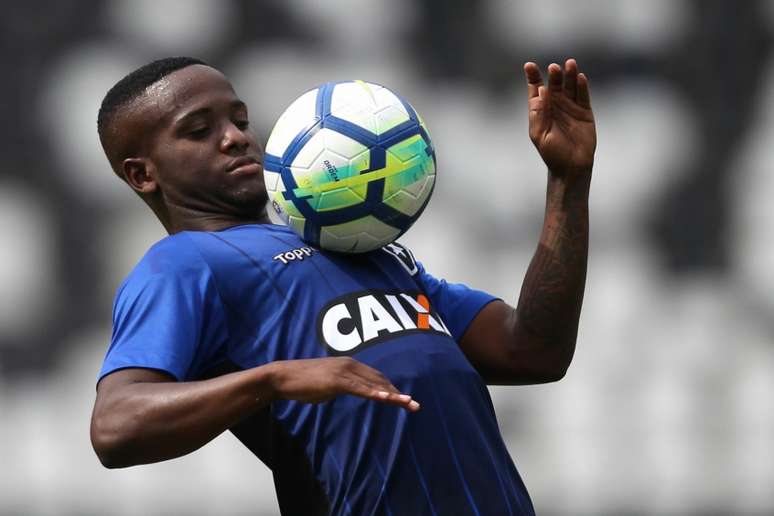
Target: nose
{"points": [[234, 140]]}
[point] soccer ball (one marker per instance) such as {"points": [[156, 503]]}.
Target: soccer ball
{"points": [[349, 166]]}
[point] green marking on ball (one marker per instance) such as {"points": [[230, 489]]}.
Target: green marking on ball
{"points": [[396, 166]]}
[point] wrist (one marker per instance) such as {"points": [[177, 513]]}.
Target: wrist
{"points": [[264, 382], [568, 187], [571, 175]]}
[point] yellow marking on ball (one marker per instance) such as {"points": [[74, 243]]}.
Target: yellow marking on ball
{"points": [[347, 182], [367, 88]]}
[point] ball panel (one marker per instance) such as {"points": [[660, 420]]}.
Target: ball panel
{"points": [[359, 163], [411, 199], [339, 198], [321, 175], [368, 224], [368, 105], [288, 208], [408, 190], [296, 117], [360, 189], [399, 173], [414, 166], [330, 169], [297, 224], [365, 234], [341, 144], [389, 117], [410, 148], [310, 152], [354, 102], [385, 97], [403, 201], [421, 189], [271, 180], [332, 172]]}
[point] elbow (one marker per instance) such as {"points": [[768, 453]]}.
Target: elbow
{"points": [[110, 444], [545, 374], [554, 374], [109, 460], [557, 368], [107, 448], [554, 365], [538, 370]]}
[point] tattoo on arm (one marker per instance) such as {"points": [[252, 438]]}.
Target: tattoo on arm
{"points": [[552, 293]]}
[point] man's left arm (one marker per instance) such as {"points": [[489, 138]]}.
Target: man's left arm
{"points": [[535, 342]]}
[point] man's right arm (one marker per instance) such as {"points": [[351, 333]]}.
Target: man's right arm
{"points": [[144, 415]]}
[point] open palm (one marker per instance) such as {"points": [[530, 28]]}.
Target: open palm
{"points": [[561, 123]]}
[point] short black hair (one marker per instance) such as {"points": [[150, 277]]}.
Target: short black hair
{"points": [[131, 86]]}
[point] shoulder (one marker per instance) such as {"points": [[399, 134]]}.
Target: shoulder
{"points": [[176, 259], [200, 256], [252, 242], [175, 253], [195, 249]]}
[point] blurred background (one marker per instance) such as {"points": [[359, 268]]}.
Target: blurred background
{"points": [[667, 408]]}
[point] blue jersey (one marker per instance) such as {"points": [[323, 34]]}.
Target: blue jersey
{"points": [[203, 303]]}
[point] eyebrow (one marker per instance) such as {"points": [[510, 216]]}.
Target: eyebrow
{"points": [[236, 104]]}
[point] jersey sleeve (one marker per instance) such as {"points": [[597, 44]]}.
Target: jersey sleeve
{"points": [[458, 304], [167, 314]]}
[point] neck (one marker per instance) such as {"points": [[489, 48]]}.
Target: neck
{"points": [[199, 221]]}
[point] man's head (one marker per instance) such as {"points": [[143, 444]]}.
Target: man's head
{"points": [[177, 133]]}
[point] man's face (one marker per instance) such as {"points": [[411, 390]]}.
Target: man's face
{"points": [[206, 158]]}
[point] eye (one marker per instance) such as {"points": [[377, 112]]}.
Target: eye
{"points": [[242, 124], [199, 132]]}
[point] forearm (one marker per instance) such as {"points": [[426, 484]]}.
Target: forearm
{"points": [[552, 293], [143, 416], [147, 422]]}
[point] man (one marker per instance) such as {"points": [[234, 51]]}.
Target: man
{"points": [[212, 333]]}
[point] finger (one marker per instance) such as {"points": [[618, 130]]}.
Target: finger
{"points": [[555, 77], [352, 379], [571, 79], [402, 400], [372, 376], [534, 79], [379, 385], [364, 390], [367, 382], [544, 104], [583, 98], [537, 108]]}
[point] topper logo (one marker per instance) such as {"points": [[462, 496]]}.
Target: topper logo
{"points": [[359, 320], [294, 254]]}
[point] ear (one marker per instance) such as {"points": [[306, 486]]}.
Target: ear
{"points": [[139, 173]]}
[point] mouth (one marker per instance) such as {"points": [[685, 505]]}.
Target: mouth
{"points": [[244, 165]]}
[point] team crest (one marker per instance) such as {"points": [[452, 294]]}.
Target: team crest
{"points": [[403, 255]]}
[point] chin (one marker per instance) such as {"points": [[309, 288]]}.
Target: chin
{"points": [[250, 203]]}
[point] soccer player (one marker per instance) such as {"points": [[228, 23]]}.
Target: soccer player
{"points": [[319, 363]]}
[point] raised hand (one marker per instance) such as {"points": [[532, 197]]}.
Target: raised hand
{"points": [[320, 379], [561, 123]]}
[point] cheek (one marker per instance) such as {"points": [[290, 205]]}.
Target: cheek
{"points": [[184, 165], [255, 142]]}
